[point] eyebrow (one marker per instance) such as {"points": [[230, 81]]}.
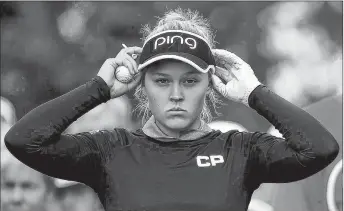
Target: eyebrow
{"points": [[160, 74], [193, 73], [166, 75]]}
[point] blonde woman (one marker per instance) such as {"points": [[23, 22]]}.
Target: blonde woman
{"points": [[175, 162]]}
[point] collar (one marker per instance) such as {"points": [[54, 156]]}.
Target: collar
{"points": [[153, 131]]}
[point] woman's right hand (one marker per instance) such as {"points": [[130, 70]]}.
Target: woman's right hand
{"points": [[123, 58]]}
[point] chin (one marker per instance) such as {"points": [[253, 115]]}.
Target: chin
{"points": [[177, 123]]}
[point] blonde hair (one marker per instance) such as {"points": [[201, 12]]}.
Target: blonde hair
{"points": [[190, 21], [179, 19]]}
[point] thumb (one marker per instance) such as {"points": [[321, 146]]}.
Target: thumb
{"points": [[218, 84], [135, 81]]}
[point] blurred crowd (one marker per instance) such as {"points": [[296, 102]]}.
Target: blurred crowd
{"points": [[49, 48]]}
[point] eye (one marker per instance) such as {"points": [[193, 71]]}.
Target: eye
{"points": [[28, 185], [190, 81], [8, 185], [161, 81]]}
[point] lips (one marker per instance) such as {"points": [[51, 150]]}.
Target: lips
{"points": [[176, 109]]}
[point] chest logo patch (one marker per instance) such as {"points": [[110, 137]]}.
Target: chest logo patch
{"points": [[207, 161]]}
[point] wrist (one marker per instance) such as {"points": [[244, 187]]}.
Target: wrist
{"points": [[104, 88], [107, 82], [252, 86]]}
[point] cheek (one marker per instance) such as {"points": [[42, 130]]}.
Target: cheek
{"points": [[157, 97], [36, 196], [195, 98], [157, 104], [197, 106], [5, 196]]}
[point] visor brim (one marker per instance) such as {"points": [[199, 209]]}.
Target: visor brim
{"points": [[192, 60]]}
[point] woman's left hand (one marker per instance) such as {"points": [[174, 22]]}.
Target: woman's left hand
{"points": [[238, 79]]}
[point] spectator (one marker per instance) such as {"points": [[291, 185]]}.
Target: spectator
{"points": [[8, 118], [77, 197], [24, 189]]}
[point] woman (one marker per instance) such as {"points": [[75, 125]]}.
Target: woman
{"points": [[175, 162]]}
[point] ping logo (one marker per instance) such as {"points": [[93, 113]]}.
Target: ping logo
{"points": [[206, 161], [191, 42]]}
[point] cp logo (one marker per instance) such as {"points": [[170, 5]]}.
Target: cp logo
{"points": [[206, 161]]}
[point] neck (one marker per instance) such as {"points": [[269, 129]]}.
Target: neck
{"points": [[177, 133]]}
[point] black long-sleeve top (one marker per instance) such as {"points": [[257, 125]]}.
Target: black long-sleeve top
{"points": [[131, 171]]}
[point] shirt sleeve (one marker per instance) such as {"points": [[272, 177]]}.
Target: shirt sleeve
{"points": [[37, 139], [305, 149]]}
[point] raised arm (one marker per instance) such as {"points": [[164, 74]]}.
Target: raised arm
{"points": [[37, 138], [307, 147]]}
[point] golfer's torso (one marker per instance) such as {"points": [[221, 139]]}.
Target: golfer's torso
{"points": [[202, 176]]}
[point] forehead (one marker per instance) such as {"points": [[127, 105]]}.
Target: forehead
{"points": [[171, 67], [20, 173]]}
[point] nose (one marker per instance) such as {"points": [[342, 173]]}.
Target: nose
{"points": [[176, 93], [17, 196]]}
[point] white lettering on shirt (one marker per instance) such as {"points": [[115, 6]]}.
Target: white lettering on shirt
{"points": [[206, 161]]}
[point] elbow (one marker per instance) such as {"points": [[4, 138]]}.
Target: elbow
{"points": [[16, 145], [9, 138], [13, 140], [333, 153], [11, 145], [330, 150]]}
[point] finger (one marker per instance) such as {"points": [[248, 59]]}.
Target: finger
{"points": [[135, 81], [222, 58], [224, 74], [134, 56], [133, 50], [235, 58], [218, 84], [229, 54], [235, 61], [232, 60], [129, 65], [123, 51], [111, 61], [133, 62]]}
